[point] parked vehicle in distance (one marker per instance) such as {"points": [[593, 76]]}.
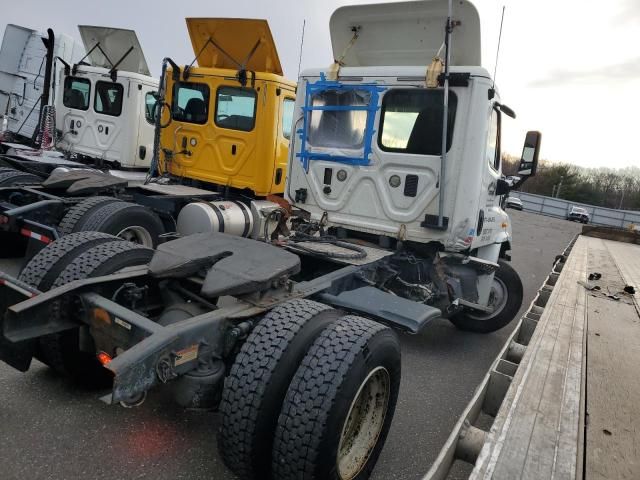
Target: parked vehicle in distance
{"points": [[513, 180], [513, 202], [578, 214]]}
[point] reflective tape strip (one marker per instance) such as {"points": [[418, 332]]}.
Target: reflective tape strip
{"points": [[36, 236], [17, 288]]}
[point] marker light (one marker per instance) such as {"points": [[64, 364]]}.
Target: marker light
{"points": [[104, 358], [101, 315]]}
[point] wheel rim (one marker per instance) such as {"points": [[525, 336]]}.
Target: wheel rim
{"points": [[136, 234], [497, 299], [364, 423]]}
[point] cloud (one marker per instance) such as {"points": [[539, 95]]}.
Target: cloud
{"points": [[628, 12], [624, 71]]}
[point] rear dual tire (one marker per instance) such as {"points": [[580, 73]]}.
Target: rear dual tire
{"points": [[340, 404], [261, 426], [74, 257], [129, 221], [11, 177]]}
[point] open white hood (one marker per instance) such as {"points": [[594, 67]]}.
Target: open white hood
{"points": [[405, 33], [114, 42]]}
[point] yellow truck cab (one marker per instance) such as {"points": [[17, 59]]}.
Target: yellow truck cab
{"points": [[227, 121]]}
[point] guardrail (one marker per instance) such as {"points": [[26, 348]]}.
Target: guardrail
{"points": [[557, 207], [472, 429]]}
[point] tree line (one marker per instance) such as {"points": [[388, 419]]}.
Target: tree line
{"points": [[604, 187]]}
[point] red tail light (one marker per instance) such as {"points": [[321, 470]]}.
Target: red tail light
{"points": [[104, 358]]}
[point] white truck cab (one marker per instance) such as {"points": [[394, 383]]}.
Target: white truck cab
{"points": [[367, 159], [22, 76], [104, 107]]}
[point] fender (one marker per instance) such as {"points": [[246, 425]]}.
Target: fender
{"points": [[504, 238]]}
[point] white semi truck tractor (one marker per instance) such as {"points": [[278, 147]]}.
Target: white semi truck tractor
{"points": [[26, 73], [95, 109], [371, 161]]}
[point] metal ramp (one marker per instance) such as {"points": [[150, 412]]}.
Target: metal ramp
{"points": [[527, 419]]}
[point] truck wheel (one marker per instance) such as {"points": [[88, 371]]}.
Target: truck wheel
{"points": [[506, 297], [258, 382], [46, 265], [128, 221], [340, 404], [12, 177], [61, 351], [77, 215]]}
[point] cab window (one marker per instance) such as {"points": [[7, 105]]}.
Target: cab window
{"points": [[108, 99], [76, 93], [338, 118], [288, 105], [150, 106], [190, 102], [411, 121], [492, 154], [236, 108]]}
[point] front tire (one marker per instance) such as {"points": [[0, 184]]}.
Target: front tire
{"points": [[506, 296], [340, 404]]}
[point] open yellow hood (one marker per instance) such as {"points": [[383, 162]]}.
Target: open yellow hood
{"points": [[248, 42]]}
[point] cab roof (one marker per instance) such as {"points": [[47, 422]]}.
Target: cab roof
{"points": [[405, 33], [114, 42], [237, 43]]}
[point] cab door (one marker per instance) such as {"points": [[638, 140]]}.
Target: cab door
{"points": [[146, 125], [283, 138], [235, 132], [188, 132], [490, 213]]}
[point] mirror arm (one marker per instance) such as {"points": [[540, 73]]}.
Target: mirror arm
{"points": [[517, 185]]}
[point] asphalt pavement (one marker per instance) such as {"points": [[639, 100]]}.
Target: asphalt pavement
{"points": [[52, 430]]}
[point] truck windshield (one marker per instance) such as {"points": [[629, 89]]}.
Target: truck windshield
{"points": [[338, 128], [236, 108], [150, 102], [190, 102], [76, 93], [411, 121], [108, 99], [287, 117]]}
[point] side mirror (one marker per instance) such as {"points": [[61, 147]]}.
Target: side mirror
{"points": [[530, 152]]}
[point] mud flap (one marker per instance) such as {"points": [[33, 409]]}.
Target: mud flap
{"points": [[16, 354]]}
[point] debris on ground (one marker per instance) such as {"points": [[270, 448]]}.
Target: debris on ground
{"points": [[588, 285]]}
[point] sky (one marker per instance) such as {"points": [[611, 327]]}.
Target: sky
{"points": [[569, 68]]}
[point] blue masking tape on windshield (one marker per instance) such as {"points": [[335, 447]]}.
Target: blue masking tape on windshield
{"points": [[321, 85]]}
